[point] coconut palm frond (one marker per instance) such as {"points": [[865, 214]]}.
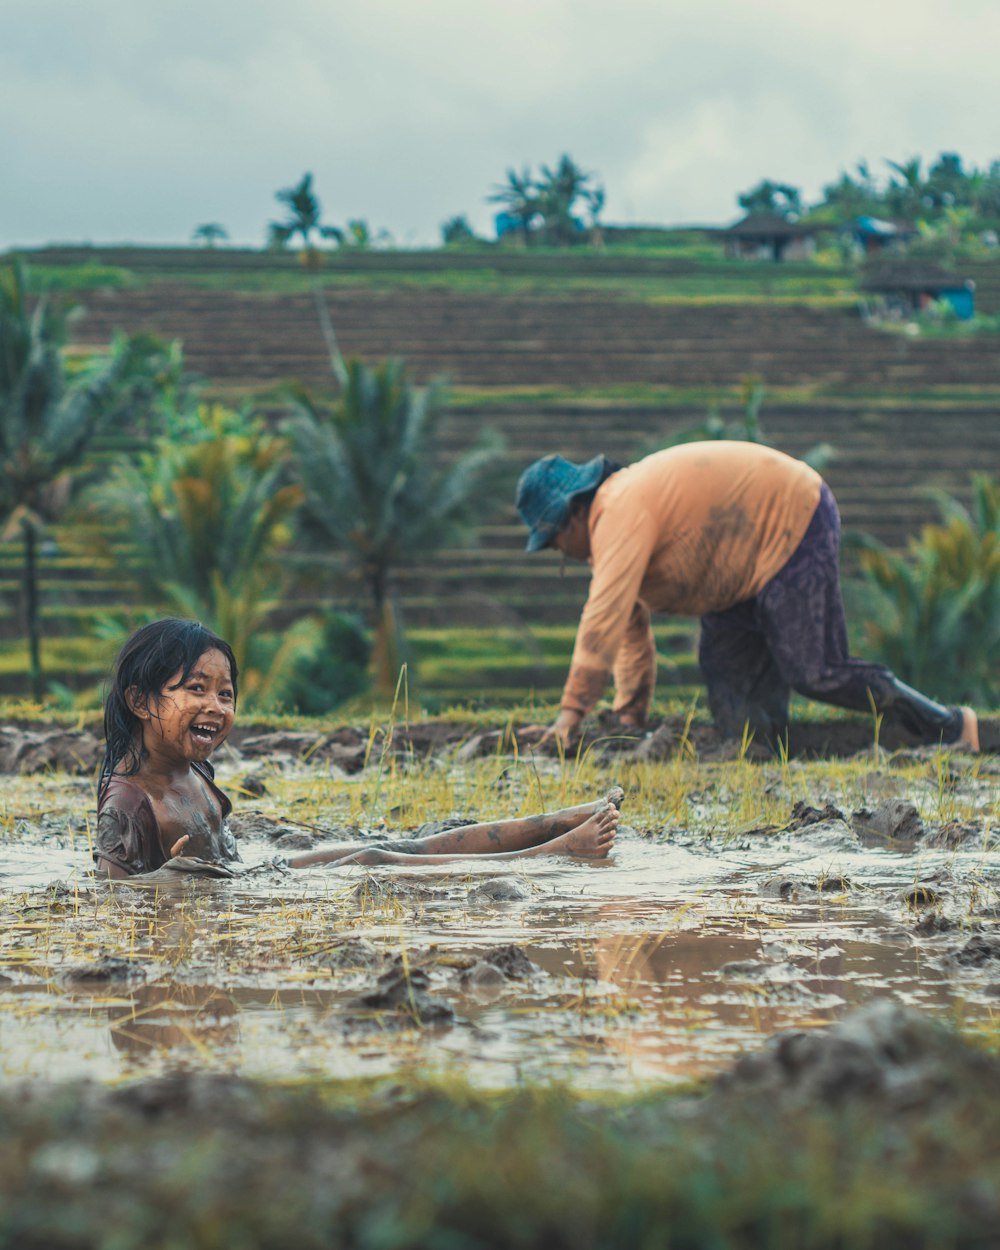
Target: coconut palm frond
{"points": [[375, 486]]}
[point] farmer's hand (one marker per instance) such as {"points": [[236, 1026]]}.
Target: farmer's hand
{"points": [[634, 720], [179, 845], [564, 728]]}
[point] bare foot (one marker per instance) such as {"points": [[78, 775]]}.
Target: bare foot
{"points": [[594, 838], [615, 796], [969, 737]]}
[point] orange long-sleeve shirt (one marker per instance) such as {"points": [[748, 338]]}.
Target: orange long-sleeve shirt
{"points": [[689, 530]]}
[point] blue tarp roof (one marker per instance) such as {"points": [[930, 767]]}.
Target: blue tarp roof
{"points": [[875, 225]]}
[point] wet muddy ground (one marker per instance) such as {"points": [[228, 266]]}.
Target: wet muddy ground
{"points": [[742, 898]]}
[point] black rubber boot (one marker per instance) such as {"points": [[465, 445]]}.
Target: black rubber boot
{"points": [[923, 717]]}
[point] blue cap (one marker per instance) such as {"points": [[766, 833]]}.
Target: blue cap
{"points": [[545, 491]]}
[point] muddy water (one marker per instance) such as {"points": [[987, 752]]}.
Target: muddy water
{"points": [[663, 962]]}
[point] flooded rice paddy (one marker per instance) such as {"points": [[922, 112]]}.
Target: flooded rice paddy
{"points": [[741, 899]]}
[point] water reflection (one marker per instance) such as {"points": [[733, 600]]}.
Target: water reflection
{"points": [[169, 1017]]}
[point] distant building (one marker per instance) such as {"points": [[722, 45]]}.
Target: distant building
{"points": [[768, 236], [874, 235], [902, 291]]}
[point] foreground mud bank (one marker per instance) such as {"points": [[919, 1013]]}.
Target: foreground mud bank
{"points": [[882, 1130]]}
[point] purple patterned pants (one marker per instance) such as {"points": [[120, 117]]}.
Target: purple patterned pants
{"points": [[793, 636]]}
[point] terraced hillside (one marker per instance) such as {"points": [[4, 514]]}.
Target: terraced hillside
{"points": [[599, 366], [241, 340]]}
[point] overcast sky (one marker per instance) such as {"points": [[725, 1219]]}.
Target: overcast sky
{"points": [[138, 120]]}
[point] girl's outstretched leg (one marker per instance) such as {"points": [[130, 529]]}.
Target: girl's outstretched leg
{"points": [[516, 835], [530, 835], [592, 839]]}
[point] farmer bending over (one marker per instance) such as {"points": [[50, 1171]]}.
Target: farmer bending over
{"points": [[740, 535]]}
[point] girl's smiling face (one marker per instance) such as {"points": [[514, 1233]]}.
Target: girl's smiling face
{"points": [[191, 717]]}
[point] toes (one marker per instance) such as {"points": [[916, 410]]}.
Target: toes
{"points": [[615, 796]]}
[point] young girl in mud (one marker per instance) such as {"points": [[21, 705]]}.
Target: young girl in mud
{"points": [[172, 701]]}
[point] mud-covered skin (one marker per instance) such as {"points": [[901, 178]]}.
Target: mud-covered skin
{"points": [[585, 685], [586, 831], [130, 840]]}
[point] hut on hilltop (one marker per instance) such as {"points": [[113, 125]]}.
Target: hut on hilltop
{"points": [[769, 236], [899, 292]]}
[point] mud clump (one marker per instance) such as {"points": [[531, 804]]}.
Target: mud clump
{"points": [[931, 923], [431, 827], [981, 949], [787, 889], [804, 815], [955, 834], [346, 749], [354, 953], [58, 750], [894, 820], [922, 894], [256, 825], [881, 1055], [500, 890], [109, 969], [511, 961], [296, 840], [496, 968], [483, 976], [373, 892], [405, 996]]}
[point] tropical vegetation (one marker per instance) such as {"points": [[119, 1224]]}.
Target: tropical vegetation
{"points": [[211, 234], [747, 428], [378, 489], [776, 198], [303, 218], [547, 208], [937, 623], [48, 420], [210, 520]]}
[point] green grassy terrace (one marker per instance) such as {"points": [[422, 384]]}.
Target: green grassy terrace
{"points": [[616, 350]]}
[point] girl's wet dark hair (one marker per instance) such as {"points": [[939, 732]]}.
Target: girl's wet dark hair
{"points": [[145, 664]]}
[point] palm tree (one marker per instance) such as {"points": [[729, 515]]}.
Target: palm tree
{"points": [[560, 190], [210, 234], [210, 518], [551, 201], [849, 197], [456, 230], [304, 216], [47, 423], [376, 489], [519, 195], [772, 197], [948, 183], [905, 194]]}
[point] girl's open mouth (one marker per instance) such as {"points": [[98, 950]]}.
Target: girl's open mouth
{"points": [[204, 733]]}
